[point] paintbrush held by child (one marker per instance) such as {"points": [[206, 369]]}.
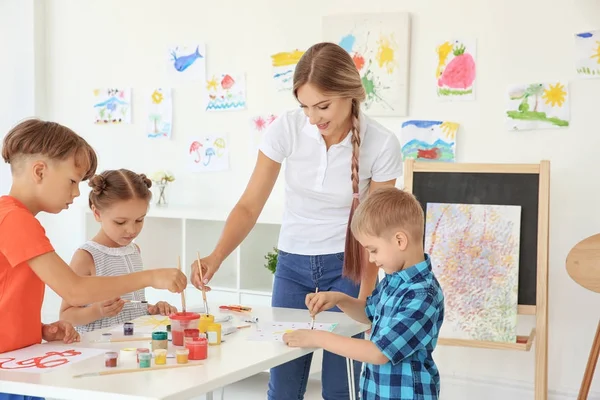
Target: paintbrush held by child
{"points": [[119, 200]]}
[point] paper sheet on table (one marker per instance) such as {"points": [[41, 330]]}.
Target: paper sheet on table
{"points": [[273, 331], [41, 358]]}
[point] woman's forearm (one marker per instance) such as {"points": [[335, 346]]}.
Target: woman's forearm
{"points": [[80, 315]]}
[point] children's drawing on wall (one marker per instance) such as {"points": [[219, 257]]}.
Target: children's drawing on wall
{"points": [[208, 153], [187, 62], [429, 140], [258, 126], [112, 106], [284, 65], [455, 73], [226, 92], [379, 45], [274, 331], [40, 358], [160, 114], [474, 250], [587, 54], [538, 106]]}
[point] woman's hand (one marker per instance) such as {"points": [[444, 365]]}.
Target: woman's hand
{"points": [[322, 301], [210, 265]]}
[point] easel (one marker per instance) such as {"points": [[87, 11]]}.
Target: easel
{"points": [[440, 182], [583, 265]]}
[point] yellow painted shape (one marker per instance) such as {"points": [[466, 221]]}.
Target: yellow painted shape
{"points": [[286, 58]]}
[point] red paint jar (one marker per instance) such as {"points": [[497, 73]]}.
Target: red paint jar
{"points": [[198, 348], [179, 323], [110, 359], [189, 334]]}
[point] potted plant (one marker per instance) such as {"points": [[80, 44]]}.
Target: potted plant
{"points": [[271, 258], [162, 179]]}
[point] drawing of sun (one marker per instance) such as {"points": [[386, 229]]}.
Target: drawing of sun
{"points": [[212, 84], [157, 97], [449, 129], [555, 95], [596, 54]]}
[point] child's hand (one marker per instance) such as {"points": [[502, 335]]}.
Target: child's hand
{"points": [[162, 308], [60, 330], [302, 338], [110, 308], [322, 301], [171, 279]]}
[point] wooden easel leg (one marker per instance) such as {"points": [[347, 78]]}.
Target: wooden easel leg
{"points": [[591, 366]]}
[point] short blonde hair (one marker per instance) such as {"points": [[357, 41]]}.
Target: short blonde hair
{"points": [[387, 210]]}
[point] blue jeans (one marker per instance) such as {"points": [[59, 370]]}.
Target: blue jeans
{"points": [[7, 396], [295, 277]]}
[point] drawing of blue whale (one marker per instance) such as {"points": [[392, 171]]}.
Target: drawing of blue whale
{"points": [[183, 62]]}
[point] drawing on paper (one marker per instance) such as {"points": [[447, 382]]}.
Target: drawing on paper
{"points": [[208, 154], [226, 92], [456, 70], [146, 324], [284, 65], [274, 331], [259, 125], [428, 140], [112, 106], [538, 106], [40, 358], [587, 54], [474, 250], [187, 62], [160, 114], [379, 45]]}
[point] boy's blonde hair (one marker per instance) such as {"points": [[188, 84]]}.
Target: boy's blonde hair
{"points": [[51, 140], [387, 210]]}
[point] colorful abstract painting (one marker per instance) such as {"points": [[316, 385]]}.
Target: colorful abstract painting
{"points": [[40, 358], [587, 54], [379, 45], [455, 73], [474, 250], [186, 62], [112, 106], [258, 126], [160, 114], [274, 331], [226, 92], [428, 140], [538, 106], [284, 65], [209, 153]]}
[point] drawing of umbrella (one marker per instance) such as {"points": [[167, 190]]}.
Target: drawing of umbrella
{"points": [[209, 153], [195, 147], [220, 145]]}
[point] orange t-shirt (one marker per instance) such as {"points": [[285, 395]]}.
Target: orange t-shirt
{"points": [[22, 238]]}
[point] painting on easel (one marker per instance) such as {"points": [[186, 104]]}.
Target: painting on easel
{"points": [[474, 250]]}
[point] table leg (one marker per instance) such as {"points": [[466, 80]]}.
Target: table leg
{"points": [[350, 370], [591, 366], [209, 396]]}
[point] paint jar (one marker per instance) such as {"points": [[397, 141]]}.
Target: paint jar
{"points": [[189, 334], [213, 331], [128, 354], [159, 340], [181, 321], [128, 329], [110, 359], [198, 348], [141, 351], [205, 320], [182, 355], [160, 356], [145, 360]]}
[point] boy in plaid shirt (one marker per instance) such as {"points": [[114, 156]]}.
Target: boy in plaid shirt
{"points": [[406, 309]]}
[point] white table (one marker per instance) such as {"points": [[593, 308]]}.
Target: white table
{"points": [[234, 360]]}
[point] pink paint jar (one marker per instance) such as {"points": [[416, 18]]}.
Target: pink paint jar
{"points": [[179, 323]]}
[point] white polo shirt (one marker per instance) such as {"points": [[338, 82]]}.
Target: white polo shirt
{"points": [[318, 183]]}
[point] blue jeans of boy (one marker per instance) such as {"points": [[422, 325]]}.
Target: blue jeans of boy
{"points": [[295, 277]]}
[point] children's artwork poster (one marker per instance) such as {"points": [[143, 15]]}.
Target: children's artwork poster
{"points": [[456, 70], [208, 153], [538, 106], [425, 140], [226, 92], [380, 47], [146, 324], [258, 126], [587, 54], [41, 358], [112, 106], [274, 331], [187, 62], [474, 250], [284, 65], [160, 114]]}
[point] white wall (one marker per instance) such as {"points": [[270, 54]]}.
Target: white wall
{"points": [[100, 43]]}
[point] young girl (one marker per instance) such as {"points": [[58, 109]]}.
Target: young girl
{"points": [[119, 200]]}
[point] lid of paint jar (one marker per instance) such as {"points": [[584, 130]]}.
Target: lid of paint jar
{"points": [[184, 316], [160, 352], [214, 326], [145, 356], [142, 350], [128, 324], [159, 335], [183, 351], [169, 328], [191, 332], [111, 354]]}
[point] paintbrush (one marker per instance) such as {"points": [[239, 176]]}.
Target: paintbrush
{"points": [[135, 301], [312, 324], [126, 371], [183, 291], [202, 279], [115, 340]]}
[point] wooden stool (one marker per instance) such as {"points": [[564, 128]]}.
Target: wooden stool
{"points": [[583, 266]]}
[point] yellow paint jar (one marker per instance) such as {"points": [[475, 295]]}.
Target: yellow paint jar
{"points": [[205, 320], [213, 331], [160, 356], [182, 355]]}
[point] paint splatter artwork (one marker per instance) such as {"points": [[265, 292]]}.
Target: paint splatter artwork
{"points": [[428, 140], [379, 45], [258, 126], [587, 54], [538, 106], [226, 92], [284, 65], [41, 358], [474, 250], [208, 153], [112, 106], [160, 114], [455, 72], [274, 331], [186, 62]]}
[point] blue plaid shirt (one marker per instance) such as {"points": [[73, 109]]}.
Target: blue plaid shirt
{"points": [[406, 310]]}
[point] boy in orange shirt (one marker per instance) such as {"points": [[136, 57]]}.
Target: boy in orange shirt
{"points": [[48, 161]]}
